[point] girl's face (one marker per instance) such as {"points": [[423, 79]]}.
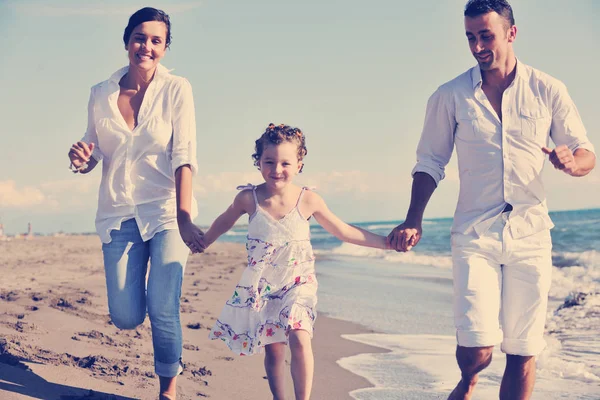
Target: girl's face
{"points": [[279, 164], [147, 45]]}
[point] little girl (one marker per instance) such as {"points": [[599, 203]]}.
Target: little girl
{"points": [[274, 302]]}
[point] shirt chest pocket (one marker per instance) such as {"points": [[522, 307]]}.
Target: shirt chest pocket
{"points": [[473, 126], [535, 123]]}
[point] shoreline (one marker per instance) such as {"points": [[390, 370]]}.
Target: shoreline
{"points": [[330, 347], [59, 343]]}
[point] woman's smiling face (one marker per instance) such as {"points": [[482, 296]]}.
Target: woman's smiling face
{"points": [[147, 45]]}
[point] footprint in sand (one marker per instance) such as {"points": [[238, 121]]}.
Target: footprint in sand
{"points": [[38, 297], [187, 309], [196, 325], [12, 295]]}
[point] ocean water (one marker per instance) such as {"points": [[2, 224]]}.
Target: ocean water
{"points": [[408, 298]]}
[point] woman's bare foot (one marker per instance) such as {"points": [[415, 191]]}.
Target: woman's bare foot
{"points": [[168, 388]]}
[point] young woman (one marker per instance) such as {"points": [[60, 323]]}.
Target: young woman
{"points": [[141, 125]]}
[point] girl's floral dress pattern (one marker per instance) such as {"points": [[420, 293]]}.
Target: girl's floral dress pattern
{"points": [[277, 291]]}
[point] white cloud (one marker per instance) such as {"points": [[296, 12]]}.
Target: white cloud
{"points": [[224, 182], [80, 192], [68, 194], [90, 8], [15, 197]]}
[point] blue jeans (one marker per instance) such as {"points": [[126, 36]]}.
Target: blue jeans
{"points": [[125, 263]]}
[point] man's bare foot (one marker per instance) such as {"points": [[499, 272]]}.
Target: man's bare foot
{"points": [[167, 396], [464, 390]]}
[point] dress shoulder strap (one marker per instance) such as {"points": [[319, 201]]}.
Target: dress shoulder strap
{"points": [[304, 188], [249, 187]]}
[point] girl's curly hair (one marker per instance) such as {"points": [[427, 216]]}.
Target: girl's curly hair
{"points": [[277, 134]]}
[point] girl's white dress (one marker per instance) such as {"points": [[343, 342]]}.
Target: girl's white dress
{"points": [[278, 289]]}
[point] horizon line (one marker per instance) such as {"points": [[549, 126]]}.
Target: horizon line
{"points": [[90, 233]]}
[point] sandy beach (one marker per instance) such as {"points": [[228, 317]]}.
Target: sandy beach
{"points": [[57, 340]]}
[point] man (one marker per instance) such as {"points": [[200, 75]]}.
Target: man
{"points": [[500, 115]]}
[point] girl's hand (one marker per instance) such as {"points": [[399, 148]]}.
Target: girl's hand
{"points": [[192, 236], [80, 153]]}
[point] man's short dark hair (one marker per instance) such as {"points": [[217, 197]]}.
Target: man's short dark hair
{"points": [[475, 8]]}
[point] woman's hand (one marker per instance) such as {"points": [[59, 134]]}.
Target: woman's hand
{"points": [[80, 154], [192, 236]]}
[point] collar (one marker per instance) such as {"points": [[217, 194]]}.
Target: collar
{"points": [[477, 79]]}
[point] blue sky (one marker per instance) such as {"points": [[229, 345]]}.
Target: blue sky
{"points": [[354, 75]]}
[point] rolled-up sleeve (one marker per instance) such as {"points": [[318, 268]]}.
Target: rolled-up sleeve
{"points": [[91, 135], [437, 139], [567, 127], [184, 128]]}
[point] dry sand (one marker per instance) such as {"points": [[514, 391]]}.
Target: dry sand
{"points": [[57, 341]]}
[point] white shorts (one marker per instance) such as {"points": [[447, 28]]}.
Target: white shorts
{"points": [[501, 289]]}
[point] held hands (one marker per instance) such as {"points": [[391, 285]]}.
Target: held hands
{"points": [[562, 158], [80, 154], [404, 237], [192, 236]]}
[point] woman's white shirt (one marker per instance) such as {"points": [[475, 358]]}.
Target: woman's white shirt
{"points": [[138, 166]]}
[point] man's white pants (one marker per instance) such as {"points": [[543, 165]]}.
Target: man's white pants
{"points": [[501, 288]]}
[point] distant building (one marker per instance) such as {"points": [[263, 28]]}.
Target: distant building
{"points": [[27, 235]]}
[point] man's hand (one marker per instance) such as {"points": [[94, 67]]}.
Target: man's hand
{"points": [[562, 158], [404, 237], [192, 236]]}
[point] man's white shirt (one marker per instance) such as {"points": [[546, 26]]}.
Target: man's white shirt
{"points": [[499, 163]]}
